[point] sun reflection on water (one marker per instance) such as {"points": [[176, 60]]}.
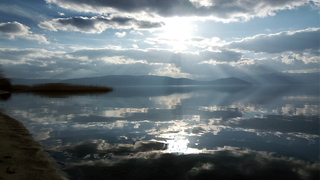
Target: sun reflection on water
{"points": [[179, 145]]}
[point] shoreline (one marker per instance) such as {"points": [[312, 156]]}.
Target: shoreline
{"points": [[21, 157]]}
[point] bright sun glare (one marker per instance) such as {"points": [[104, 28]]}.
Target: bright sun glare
{"points": [[177, 30]]}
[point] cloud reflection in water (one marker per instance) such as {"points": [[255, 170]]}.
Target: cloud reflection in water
{"points": [[149, 160], [179, 133]]}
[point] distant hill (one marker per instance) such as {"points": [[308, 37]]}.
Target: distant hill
{"points": [[306, 78], [283, 78], [127, 80], [33, 81], [151, 81]]}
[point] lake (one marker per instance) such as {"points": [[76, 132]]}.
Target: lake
{"points": [[187, 132]]}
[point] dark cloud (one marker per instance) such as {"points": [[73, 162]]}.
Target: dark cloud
{"points": [[79, 22], [219, 9], [18, 30], [88, 147], [224, 164], [297, 41], [13, 28], [98, 24]]}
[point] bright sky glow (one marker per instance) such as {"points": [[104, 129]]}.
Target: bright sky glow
{"points": [[177, 31], [177, 28]]}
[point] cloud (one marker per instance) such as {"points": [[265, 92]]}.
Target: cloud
{"points": [[314, 70], [14, 28], [18, 30], [32, 63], [132, 61], [227, 162], [120, 34], [96, 62], [136, 32], [170, 70], [293, 58], [19, 55], [162, 56], [26, 12], [288, 41], [221, 56], [275, 123], [104, 148], [226, 11], [97, 25], [194, 41]]}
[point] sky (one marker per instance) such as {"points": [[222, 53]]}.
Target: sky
{"points": [[196, 39]]}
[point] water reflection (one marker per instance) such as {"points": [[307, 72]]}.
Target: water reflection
{"points": [[179, 132], [5, 96], [225, 163]]}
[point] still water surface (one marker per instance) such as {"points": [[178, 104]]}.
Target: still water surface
{"points": [[263, 132]]}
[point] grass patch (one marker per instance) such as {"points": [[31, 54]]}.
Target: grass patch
{"points": [[60, 88], [5, 84], [65, 94]]}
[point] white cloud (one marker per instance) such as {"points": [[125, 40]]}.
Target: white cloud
{"points": [[121, 60], [120, 34], [61, 13], [300, 41], [194, 41], [136, 32], [294, 58], [47, 25], [170, 70], [18, 30], [314, 70]]}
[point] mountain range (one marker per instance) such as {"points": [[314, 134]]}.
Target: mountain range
{"points": [[128, 80], [283, 78]]}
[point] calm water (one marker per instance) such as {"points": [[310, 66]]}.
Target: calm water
{"points": [[178, 132]]}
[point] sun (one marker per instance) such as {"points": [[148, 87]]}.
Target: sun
{"points": [[177, 28], [176, 32]]}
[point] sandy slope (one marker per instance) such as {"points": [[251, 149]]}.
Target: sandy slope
{"points": [[21, 157]]}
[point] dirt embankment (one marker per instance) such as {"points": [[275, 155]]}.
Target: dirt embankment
{"points": [[21, 157]]}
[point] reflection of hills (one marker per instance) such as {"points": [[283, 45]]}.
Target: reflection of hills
{"points": [[166, 91], [5, 96], [271, 78], [266, 94], [172, 100]]}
